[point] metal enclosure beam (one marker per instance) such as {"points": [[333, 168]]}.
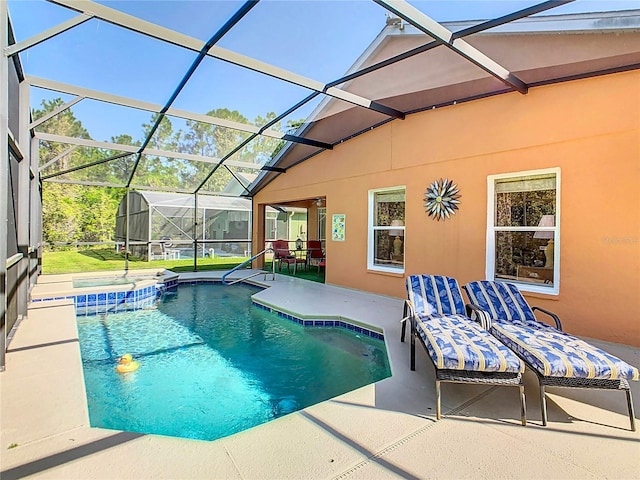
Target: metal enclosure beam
{"points": [[47, 34], [155, 108], [195, 232], [481, 27], [4, 175], [24, 220], [279, 118], [55, 112], [167, 35], [235, 18], [131, 149], [36, 209], [58, 157]]}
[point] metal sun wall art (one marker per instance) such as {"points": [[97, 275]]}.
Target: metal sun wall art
{"points": [[441, 199]]}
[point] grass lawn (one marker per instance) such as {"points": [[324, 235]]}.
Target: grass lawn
{"points": [[105, 259]]}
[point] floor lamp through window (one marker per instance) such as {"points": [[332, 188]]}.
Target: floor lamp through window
{"points": [[397, 253], [547, 221]]}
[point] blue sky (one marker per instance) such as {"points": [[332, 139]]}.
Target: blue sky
{"points": [[317, 39]]}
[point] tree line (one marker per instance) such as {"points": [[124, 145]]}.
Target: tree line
{"points": [[86, 213]]}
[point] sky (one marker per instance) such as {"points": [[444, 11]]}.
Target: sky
{"points": [[317, 39]]}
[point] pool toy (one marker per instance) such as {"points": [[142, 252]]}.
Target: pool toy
{"points": [[127, 364]]}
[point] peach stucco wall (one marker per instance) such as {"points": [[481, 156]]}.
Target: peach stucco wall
{"points": [[589, 128]]}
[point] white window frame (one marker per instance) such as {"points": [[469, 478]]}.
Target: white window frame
{"points": [[371, 229], [492, 229]]}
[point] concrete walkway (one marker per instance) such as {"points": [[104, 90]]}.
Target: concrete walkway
{"points": [[382, 431]]}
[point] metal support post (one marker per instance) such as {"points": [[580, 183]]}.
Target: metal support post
{"points": [[195, 232], [4, 174], [126, 235]]}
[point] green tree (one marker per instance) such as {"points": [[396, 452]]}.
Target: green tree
{"points": [[65, 124], [59, 213], [74, 213], [118, 170], [273, 149], [97, 222], [216, 142], [155, 171], [59, 210], [87, 213]]}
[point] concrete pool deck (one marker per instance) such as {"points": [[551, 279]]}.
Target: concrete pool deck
{"points": [[381, 431]]}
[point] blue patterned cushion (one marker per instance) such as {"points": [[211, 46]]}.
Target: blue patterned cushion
{"points": [[434, 294], [454, 342], [557, 354], [500, 300]]}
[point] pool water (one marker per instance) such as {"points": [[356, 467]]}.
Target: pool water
{"points": [[212, 364]]}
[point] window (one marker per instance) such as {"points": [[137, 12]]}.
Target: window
{"points": [[386, 230], [276, 225], [523, 233]]}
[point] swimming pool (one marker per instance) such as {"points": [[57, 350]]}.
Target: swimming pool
{"points": [[213, 364]]}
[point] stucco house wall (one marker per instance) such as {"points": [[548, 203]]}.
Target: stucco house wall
{"points": [[590, 128]]}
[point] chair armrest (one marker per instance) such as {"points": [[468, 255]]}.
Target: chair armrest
{"points": [[408, 311], [552, 315], [482, 317]]}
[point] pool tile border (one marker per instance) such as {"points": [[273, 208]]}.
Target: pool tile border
{"points": [[339, 322], [96, 303]]}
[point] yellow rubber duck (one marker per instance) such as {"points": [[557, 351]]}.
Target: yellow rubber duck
{"points": [[127, 364]]}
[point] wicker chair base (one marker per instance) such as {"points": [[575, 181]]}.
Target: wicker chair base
{"points": [[468, 376], [602, 384], [481, 378]]}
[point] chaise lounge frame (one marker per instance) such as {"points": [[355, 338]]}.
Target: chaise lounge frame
{"points": [[486, 320], [458, 376]]}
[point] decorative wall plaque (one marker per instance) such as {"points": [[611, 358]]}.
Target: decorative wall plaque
{"points": [[441, 199], [338, 224]]}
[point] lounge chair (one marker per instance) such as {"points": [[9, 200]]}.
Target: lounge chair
{"points": [[315, 254], [157, 252], [282, 255], [558, 358], [460, 349]]}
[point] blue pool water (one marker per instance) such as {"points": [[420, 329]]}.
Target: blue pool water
{"points": [[212, 364]]}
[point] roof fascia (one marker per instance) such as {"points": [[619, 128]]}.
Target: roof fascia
{"points": [[560, 23], [258, 184], [385, 34], [470, 27]]}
